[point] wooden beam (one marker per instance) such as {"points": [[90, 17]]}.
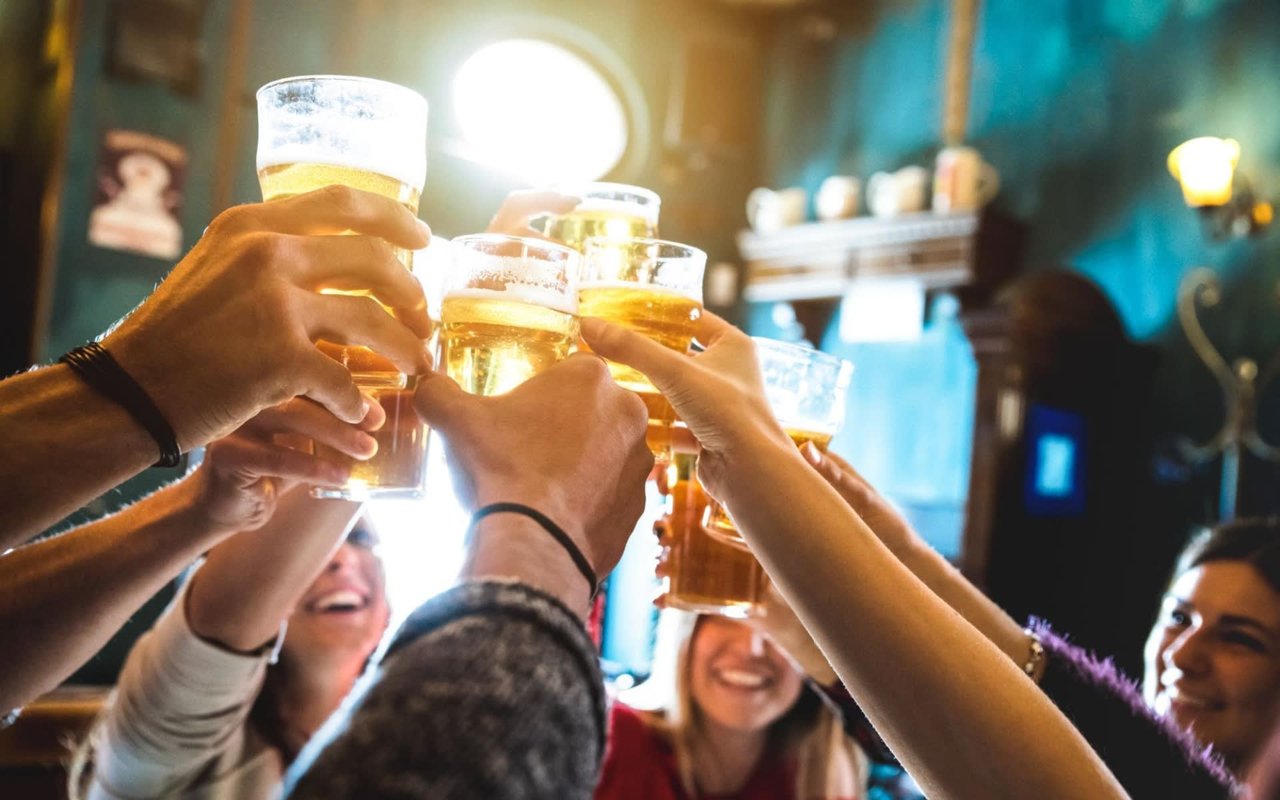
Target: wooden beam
{"points": [[232, 106]]}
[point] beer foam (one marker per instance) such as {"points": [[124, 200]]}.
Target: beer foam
{"points": [[622, 208], [688, 294], [408, 168], [358, 123], [529, 295]]}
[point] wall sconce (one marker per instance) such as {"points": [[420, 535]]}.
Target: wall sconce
{"points": [[1206, 169]]}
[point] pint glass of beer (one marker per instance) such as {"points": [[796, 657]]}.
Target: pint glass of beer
{"points": [[510, 310], [654, 288], [320, 130], [702, 573], [806, 389], [611, 210]]}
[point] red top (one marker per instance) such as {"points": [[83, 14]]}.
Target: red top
{"points": [[640, 764]]}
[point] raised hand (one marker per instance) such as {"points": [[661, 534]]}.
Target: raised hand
{"points": [[718, 393], [518, 210], [244, 474], [568, 442], [232, 329]]}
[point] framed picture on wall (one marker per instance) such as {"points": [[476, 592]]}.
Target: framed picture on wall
{"points": [[158, 41], [137, 196]]}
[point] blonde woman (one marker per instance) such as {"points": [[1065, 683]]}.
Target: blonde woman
{"points": [[727, 714]]}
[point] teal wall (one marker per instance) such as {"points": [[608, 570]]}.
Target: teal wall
{"points": [[1077, 103]]}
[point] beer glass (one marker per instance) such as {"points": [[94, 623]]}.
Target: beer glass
{"points": [[654, 288], [806, 390], [320, 130], [702, 573], [611, 210], [510, 310]]}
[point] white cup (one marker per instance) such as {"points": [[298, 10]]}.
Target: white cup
{"points": [[837, 198], [769, 210], [962, 181], [901, 192]]}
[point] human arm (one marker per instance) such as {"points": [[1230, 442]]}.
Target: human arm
{"points": [[1150, 756], [492, 689], [890, 639], [249, 584], [230, 331], [63, 597], [942, 578]]}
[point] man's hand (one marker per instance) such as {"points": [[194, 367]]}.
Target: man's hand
{"points": [[568, 442], [232, 329], [243, 474]]}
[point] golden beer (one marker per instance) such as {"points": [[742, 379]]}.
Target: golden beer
{"points": [[717, 519], [402, 441], [492, 341], [325, 130], [703, 574], [610, 219], [651, 287], [286, 180], [664, 315]]}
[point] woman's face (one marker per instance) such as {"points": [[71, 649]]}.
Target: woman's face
{"points": [[344, 612], [737, 677], [1213, 658]]}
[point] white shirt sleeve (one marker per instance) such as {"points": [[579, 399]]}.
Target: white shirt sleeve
{"points": [[179, 712]]}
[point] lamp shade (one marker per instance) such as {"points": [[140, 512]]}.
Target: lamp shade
{"points": [[1205, 167]]}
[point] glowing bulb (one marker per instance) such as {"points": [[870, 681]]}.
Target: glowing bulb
{"points": [[1205, 167]]}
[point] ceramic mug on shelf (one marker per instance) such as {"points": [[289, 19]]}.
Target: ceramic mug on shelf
{"points": [[837, 198], [963, 181], [769, 210], [901, 192]]}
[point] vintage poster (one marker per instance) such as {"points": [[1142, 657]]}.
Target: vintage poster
{"points": [[138, 195]]}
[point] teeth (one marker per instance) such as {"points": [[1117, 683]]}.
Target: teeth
{"points": [[343, 598], [1187, 699], [742, 679]]}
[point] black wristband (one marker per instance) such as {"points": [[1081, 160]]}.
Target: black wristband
{"points": [[100, 370], [557, 533]]}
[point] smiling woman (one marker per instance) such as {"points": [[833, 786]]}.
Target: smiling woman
{"points": [[726, 714], [1213, 656], [259, 647]]}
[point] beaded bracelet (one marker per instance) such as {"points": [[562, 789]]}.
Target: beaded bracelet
{"points": [[1036, 654]]}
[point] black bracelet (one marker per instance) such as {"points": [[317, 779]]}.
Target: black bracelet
{"points": [[557, 533], [100, 370]]}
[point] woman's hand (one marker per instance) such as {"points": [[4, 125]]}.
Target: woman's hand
{"points": [[718, 393], [519, 209], [879, 514], [243, 474]]}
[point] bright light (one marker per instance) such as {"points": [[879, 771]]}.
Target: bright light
{"points": [[540, 112], [421, 547], [1205, 166]]}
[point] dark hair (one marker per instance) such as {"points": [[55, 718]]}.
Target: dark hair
{"points": [[1255, 541]]}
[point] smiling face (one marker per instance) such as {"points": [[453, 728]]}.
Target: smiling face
{"points": [[344, 612], [737, 678], [1213, 658]]}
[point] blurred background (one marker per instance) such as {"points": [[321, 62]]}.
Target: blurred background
{"points": [[1025, 387]]}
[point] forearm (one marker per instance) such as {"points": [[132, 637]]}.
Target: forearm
{"points": [[491, 690], [871, 616], [61, 599], [955, 590], [252, 581], [63, 444]]}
